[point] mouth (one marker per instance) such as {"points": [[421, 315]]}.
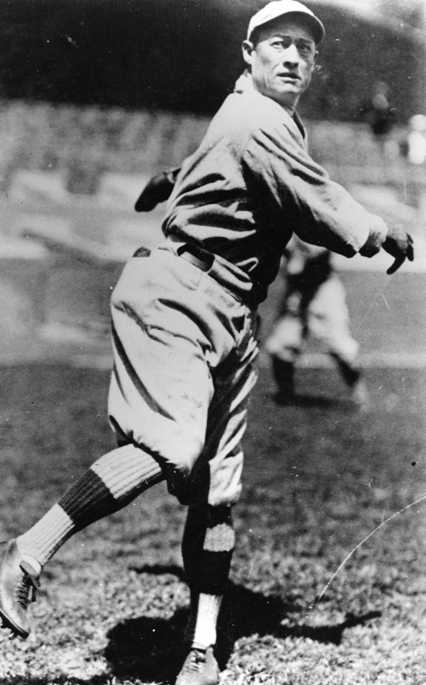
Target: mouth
{"points": [[291, 78]]}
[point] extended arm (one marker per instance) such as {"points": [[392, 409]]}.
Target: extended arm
{"points": [[319, 210]]}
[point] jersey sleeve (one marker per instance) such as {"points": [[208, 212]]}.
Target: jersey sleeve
{"points": [[301, 194]]}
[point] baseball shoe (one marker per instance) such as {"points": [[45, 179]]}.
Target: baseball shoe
{"points": [[283, 372], [18, 585], [200, 668]]}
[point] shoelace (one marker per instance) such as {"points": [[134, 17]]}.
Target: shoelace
{"points": [[26, 589], [196, 659]]}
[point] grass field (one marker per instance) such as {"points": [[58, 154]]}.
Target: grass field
{"points": [[319, 477]]}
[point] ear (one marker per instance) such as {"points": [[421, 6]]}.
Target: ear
{"points": [[248, 50]]}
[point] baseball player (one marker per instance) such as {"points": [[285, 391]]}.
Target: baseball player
{"points": [[183, 324], [313, 304]]}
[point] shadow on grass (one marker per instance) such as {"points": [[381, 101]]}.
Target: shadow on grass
{"points": [[57, 680], [154, 649], [328, 634], [307, 401]]}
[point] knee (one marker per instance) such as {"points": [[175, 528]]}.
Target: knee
{"points": [[190, 485]]}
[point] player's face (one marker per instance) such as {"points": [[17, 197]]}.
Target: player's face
{"points": [[282, 60]]}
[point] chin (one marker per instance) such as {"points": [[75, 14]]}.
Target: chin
{"points": [[289, 90]]}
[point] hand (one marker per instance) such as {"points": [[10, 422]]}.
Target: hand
{"points": [[399, 244], [156, 190]]}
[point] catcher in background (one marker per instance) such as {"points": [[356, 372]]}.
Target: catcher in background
{"points": [[313, 304]]}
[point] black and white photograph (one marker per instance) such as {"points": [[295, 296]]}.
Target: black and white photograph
{"points": [[213, 342]]}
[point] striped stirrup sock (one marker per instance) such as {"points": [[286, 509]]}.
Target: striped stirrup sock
{"points": [[213, 573], [109, 484]]}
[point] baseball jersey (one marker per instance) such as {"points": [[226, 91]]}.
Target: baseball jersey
{"points": [[251, 183]]}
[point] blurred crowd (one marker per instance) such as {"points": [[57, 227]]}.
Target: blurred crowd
{"points": [[84, 142]]}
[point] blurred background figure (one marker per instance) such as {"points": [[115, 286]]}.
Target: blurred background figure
{"points": [[380, 115], [313, 304], [414, 146], [413, 150]]}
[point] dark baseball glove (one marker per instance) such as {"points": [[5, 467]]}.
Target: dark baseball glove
{"points": [[156, 190], [399, 245]]}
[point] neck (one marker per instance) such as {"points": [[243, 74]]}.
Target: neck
{"points": [[290, 109]]}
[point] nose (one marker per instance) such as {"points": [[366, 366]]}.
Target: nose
{"points": [[291, 56]]}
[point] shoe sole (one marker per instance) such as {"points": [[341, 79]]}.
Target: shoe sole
{"points": [[7, 623]]}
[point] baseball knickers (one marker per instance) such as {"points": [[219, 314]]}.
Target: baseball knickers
{"points": [[184, 350]]}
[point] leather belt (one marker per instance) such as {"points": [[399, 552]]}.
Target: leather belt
{"points": [[193, 254], [197, 256], [203, 260]]}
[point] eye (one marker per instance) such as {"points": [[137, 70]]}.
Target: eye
{"points": [[305, 49], [281, 42]]}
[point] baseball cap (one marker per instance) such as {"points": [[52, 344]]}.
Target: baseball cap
{"points": [[279, 8]]}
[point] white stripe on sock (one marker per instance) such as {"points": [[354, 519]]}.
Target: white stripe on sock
{"points": [[125, 468], [42, 540], [220, 538], [205, 625]]}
